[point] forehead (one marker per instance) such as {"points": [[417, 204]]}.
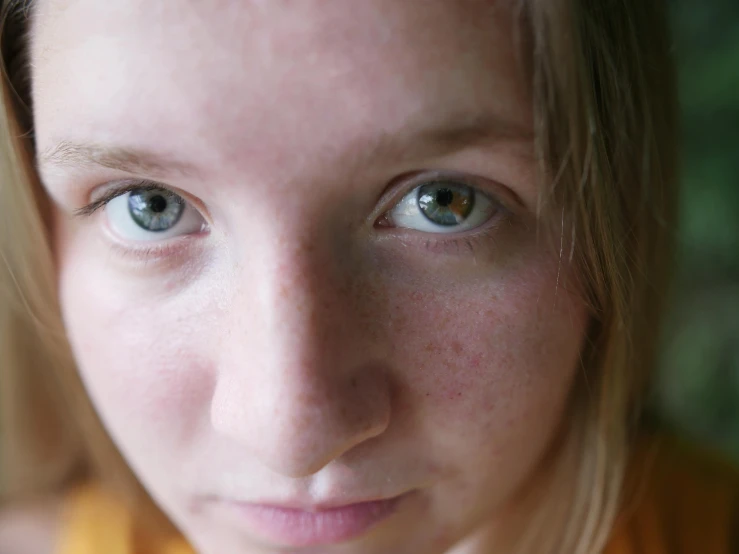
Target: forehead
{"points": [[225, 79]]}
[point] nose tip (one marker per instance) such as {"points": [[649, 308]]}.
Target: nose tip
{"points": [[298, 429]]}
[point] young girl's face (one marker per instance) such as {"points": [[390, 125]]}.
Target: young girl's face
{"points": [[326, 283]]}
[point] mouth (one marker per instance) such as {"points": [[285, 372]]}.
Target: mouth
{"points": [[312, 525]]}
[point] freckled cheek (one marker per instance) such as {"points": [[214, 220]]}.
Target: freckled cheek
{"points": [[489, 365]]}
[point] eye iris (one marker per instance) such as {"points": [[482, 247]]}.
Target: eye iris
{"points": [[155, 210], [445, 203]]}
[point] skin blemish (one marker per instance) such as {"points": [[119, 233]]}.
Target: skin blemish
{"points": [[456, 347]]}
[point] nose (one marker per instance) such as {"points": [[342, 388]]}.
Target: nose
{"points": [[298, 384]]}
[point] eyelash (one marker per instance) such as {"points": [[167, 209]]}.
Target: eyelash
{"points": [[439, 244], [115, 192]]}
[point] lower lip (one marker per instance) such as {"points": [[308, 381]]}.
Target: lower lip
{"points": [[298, 528]]}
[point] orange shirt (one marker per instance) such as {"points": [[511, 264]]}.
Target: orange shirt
{"points": [[96, 523], [676, 502]]}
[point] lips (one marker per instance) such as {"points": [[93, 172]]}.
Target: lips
{"points": [[297, 527]]}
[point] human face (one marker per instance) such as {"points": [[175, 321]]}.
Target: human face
{"points": [[310, 332]]}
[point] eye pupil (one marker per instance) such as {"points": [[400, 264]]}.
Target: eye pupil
{"points": [[444, 197], [157, 204]]}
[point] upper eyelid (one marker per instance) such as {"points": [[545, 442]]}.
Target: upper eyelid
{"points": [[406, 184], [115, 190], [112, 192]]}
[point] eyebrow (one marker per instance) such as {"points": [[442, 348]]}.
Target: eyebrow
{"points": [[451, 135], [66, 154], [472, 130]]}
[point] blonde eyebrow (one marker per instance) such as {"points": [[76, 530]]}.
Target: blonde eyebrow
{"points": [[449, 135], [453, 133], [127, 160], [472, 130]]}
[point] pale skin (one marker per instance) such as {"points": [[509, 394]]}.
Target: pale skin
{"points": [[292, 335]]}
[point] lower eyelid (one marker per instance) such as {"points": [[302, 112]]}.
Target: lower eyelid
{"points": [[462, 246], [174, 250], [467, 242]]}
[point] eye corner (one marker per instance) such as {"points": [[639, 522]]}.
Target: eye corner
{"points": [[383, 222]]}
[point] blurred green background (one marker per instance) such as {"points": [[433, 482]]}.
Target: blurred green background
{"points": [[697, 391]]}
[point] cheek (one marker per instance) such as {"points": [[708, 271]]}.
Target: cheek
{"points": [[142, 352], [489, 371], [133, 367], [489, 364]]}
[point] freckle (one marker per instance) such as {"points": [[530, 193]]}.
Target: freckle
{"points": [[456, 347], [354, 382], [416, 295]]}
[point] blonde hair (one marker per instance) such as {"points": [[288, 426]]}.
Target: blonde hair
{"points": [[605, 113]]}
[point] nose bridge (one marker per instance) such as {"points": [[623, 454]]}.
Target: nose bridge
{"points": [[303, 294], [298, 392]]}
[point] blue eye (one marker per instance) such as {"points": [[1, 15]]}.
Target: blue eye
{"points": [[155, 210], [442, 206], [152, 214]]}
